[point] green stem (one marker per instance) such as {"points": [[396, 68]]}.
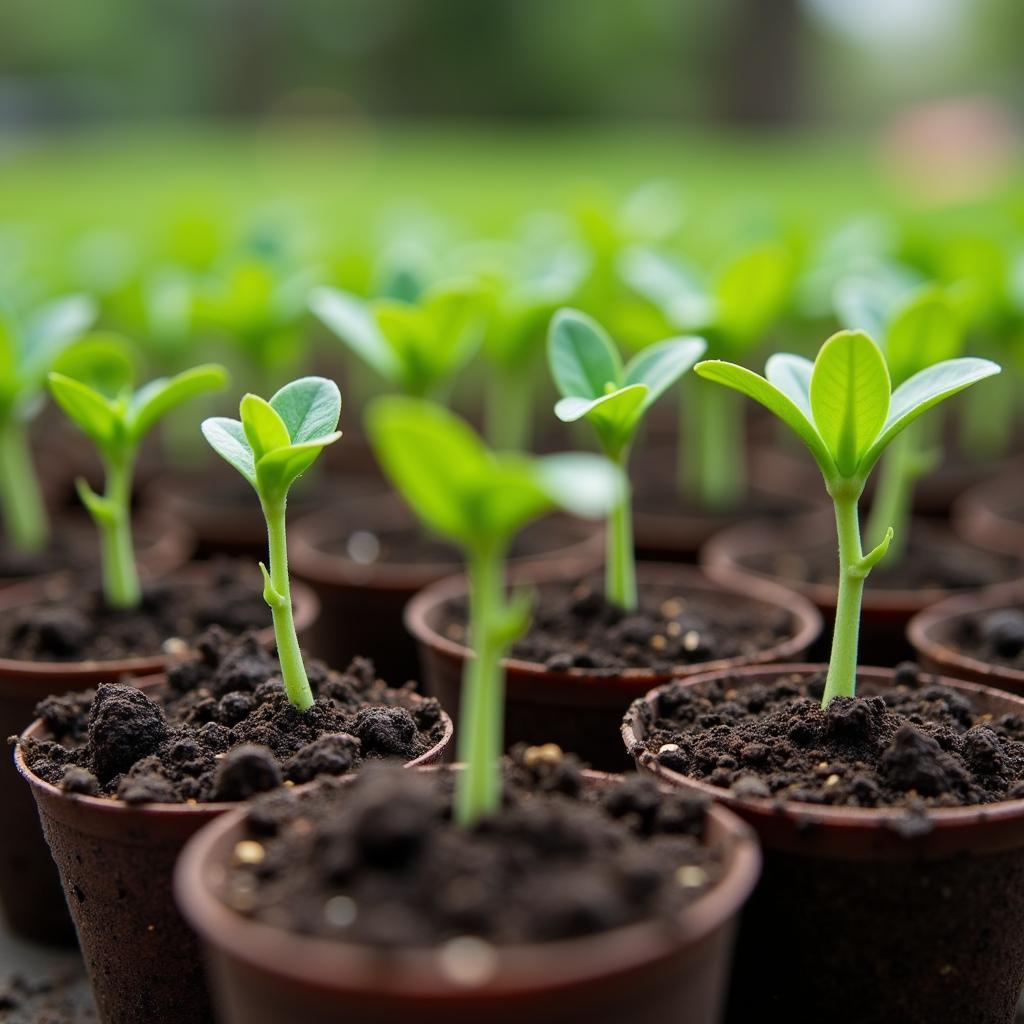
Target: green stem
{"points": [[120, 576], [842, 666], [21, 504], [481, 724], [508, 410], [279, 596], [620, 557], [891, 503], [712, 449]]}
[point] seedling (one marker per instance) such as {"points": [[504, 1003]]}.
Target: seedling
{"points": [[734, 311], [96, 394], [479, 500], [27, 351], [843, 408], [595, 385], [272, 444], [916, 331], [417, 348]]}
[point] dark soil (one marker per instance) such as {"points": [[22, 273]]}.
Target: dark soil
{"points": [[56, 998], [224, 730], [575, 627], [995, 637], [74, 624], [380, 862], [916, 744], [932, 561]]}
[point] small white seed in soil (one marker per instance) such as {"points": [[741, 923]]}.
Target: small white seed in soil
{"points": [[832, 780], [363, 547], [672, 607], [468, 960], [340, 911], [546, 753], [674, 629], [822, 766], [175, 646], [668, 748], [691, 640], [658, 642], [689, 876], [248, 851]]}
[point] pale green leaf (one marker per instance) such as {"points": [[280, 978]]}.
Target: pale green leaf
{"points": [[227, 438], [659, 366], [156, 399], [353, 322], [277, 470], [791, 374], [93, 414], [264, 429], [583, 360], [751, 293], [614, 416], [925, 331], [585, 485], [310, 408], [103, 361]]}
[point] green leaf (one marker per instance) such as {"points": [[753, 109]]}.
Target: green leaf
{"points": [[923, 391], [95, 415], [52, 328], [310, 408], [925, 331], [865, 303], [751, 293], [277, 470], [672, 288], [585, 485], [353, 322], [754, 386], [157, 398], [103, 361], [582, 358], [614, 416], [227, 438], [849, 397], [791, 374], [659, 366], [264, 429]]}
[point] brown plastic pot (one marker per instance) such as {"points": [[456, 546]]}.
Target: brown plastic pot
{"points": [[263, 975], [363, 604], [991, 515], [30, 894], [931, 634], [867, 915], [729, 558], [578, 709], [116, 864]]}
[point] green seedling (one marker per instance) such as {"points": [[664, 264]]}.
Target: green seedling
{"points": [[417, 348], [272, 444], [916, 331], [733, 311], [479, 500], [613, 397], [843, 408], [95, 392], [27, 352]]}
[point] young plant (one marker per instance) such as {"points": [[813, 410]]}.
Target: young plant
{"points": [[417, 348], [595, 385], [99, 400], [479, 500], [843, 408], [27, 351], [272, 444], [734, 311]]}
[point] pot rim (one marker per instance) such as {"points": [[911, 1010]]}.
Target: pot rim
{"points": [[305, 603], [878, 828], [981, 513], [410, 975], [721, 557], [808, 622], [922, 629]]}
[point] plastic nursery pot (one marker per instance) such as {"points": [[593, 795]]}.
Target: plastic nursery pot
{"points": [[30, 894], [116, 864], [991, 515], [579, 709], [873, 915], [363, 600], [263, 975], [933, 631], [762, 550]]}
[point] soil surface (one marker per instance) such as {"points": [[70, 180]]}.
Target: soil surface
{"points": [[380, 862], [53, 997], [575, 627], [224, 729], [932, 561], [74, 624], [918, 744], [995, 637]]}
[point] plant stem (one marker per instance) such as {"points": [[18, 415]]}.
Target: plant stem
{"points": [[508, 410], [120, 577], [842, 666], [293, 671], [620, 557], [890, 505], [21, 504], [481, 723], [712, 450]]}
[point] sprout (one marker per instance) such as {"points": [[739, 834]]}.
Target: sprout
{"points": [[272, 445], [596, 386], [479, 500], [27, 352], [843, 408], [95, 392]]}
